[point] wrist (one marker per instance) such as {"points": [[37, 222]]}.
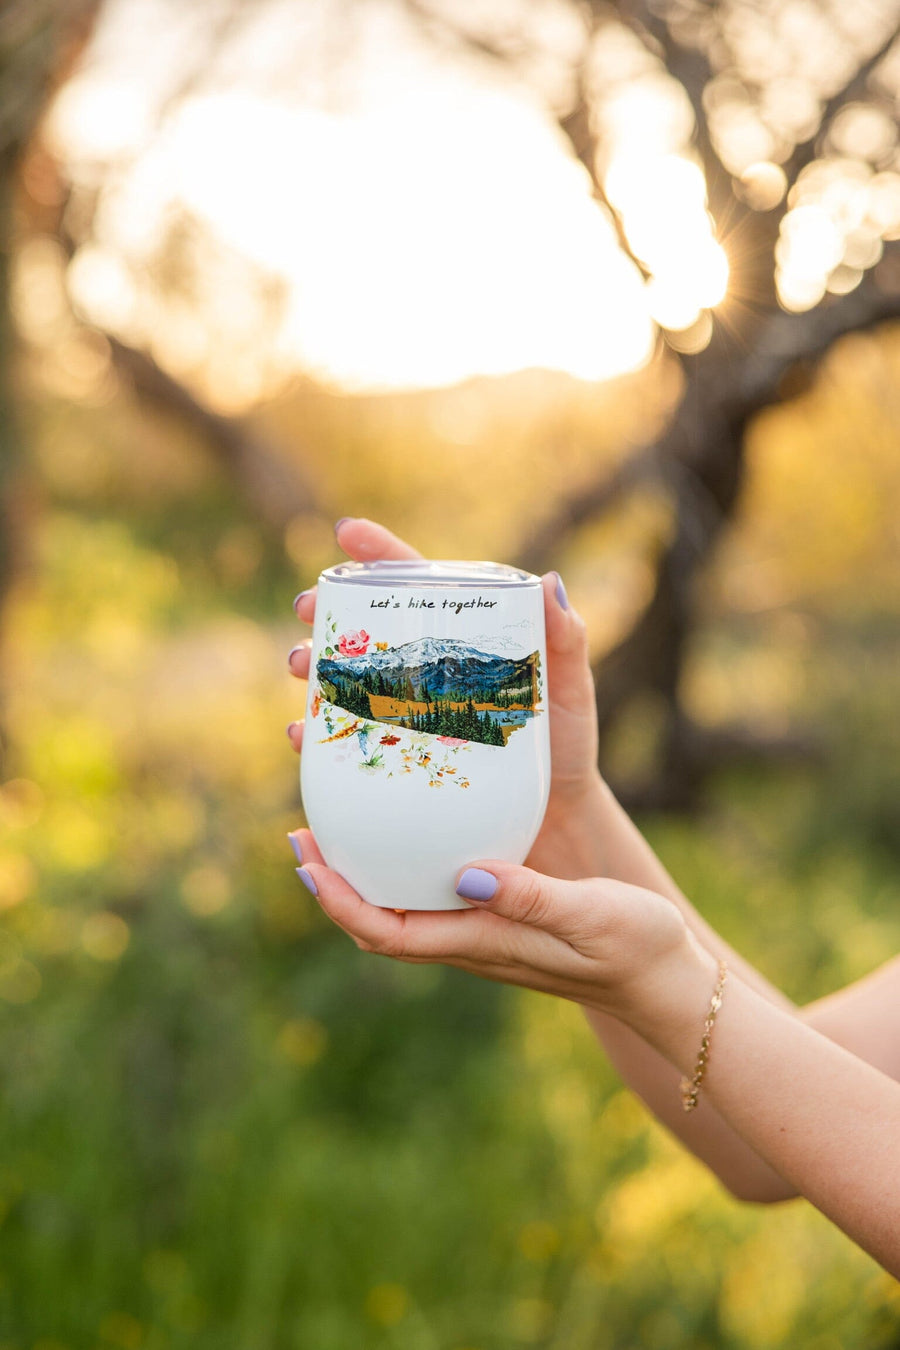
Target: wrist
{"points": [[667, 1003]]}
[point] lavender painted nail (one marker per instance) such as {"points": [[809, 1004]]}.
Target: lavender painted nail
{"points": [[476, 884], [307, 880], [298, 598], [301, 647], [298, 851], [342, 521], [561, 598]]}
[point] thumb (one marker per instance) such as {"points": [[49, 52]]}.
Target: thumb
{"points": [[567, 909]]}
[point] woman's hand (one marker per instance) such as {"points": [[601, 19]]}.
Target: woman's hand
{"points": [[563, 846], [598, 942], [783, 1106], [617, 947]]}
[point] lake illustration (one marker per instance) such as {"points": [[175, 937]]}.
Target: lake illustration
{"points": [[442, 686]]}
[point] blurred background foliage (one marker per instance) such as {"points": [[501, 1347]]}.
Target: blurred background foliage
{"points": [[223, 1126]]}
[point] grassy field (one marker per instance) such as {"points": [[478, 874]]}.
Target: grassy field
{"points": [[224, 1128]]}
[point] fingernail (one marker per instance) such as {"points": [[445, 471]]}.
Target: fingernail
{"points": [[476, 884], [298, 851], [561, 598], [301, 647], [307, 880], [290, 728], [298, 598], [341, 522]]}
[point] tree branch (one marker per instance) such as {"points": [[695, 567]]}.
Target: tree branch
{"points": [[463, 37], [785, 341], [576, 126], [700, 750], [791, 338], [35, 38], [690, 66], [277, 488], [805, 152]]}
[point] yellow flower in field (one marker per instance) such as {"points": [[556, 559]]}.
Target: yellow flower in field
{"points": [[387, 1304]]}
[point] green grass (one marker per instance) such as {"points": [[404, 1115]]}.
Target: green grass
{"points": [[224, 1128], [242, 1132]]}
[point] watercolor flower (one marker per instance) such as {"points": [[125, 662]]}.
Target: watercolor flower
{"points": [[317, 702], [353, 643], [451, 740], [389, 740], [381, 646]]}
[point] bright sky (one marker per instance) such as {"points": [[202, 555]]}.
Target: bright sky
{"points": [[431, 227], [421, 246]]}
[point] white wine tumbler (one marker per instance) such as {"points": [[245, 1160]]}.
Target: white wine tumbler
{"points": [[426, 743]]}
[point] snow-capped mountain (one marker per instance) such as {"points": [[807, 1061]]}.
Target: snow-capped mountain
{"points": [[419, 652], [441, 667]]}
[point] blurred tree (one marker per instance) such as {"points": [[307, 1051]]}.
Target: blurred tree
{"points": [[38, 42], [785, 113], [273, 481], [792, 122], [40, 45]]}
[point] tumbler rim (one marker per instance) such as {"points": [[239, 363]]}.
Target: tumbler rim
{"points": [[421, 572]]}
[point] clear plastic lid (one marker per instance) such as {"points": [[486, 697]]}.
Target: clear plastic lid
{"points": [[429, 572]]}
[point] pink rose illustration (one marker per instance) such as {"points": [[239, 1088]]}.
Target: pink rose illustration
{"points": [[451, 740], [354, 644]]}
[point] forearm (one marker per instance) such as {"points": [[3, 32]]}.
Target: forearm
{"points": [[821, 1117], [710, 1137], [864, 1017], [601, 840]]}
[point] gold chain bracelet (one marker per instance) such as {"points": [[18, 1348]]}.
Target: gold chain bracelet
{"points": [[690, 1087]]}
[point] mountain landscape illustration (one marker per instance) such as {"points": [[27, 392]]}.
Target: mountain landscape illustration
{"points": [[444, 665], [439, 685]]}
